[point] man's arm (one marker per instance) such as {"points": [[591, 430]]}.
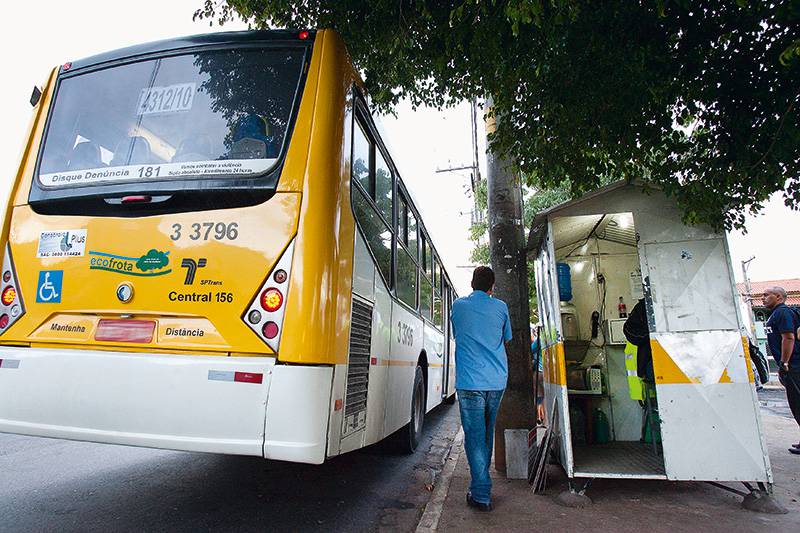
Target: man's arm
{"points": [[787, 346], [507, 326], [453, 317]]}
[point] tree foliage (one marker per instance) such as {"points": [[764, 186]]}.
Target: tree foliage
{"points": [[699, 97]]}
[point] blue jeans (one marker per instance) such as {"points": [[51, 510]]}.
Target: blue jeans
{"points": [[478, 412]]}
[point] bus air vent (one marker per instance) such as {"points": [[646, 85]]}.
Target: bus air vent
{"points": [[355, 409]]}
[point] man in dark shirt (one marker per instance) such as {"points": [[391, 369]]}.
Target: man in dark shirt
{"points": [[781, 328], [637, 332]]}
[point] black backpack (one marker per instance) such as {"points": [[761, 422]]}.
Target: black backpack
{"points": [[796, 314], [759, 361]]}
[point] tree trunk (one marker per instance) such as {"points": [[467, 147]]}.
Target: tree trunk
{"points": [[509, 262]]}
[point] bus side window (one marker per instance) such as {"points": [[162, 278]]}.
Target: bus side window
{"points": [[438, 301], [362, 161], [371, 218], [383, 186], [406, 254], [412, 234], [425, 285]]}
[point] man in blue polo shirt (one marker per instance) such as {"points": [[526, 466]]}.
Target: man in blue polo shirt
{"points": [[482, 327], [781, 328]]}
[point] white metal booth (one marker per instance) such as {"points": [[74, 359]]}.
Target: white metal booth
{"points": [[615, 246]]}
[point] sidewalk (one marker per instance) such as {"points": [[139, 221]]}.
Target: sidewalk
{"points": [[628, 505]]}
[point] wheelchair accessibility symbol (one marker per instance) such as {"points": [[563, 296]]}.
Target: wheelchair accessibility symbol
{"points": [[49, 288]]}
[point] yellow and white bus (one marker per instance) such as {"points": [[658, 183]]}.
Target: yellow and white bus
{"points": [[208, 247]]}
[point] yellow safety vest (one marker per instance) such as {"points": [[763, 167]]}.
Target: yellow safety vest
{"points": [[635, 387]]}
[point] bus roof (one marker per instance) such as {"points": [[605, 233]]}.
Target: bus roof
{"points": [[191, 41]]}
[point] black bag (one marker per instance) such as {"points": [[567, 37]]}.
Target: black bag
{"points": [[759, 361]]}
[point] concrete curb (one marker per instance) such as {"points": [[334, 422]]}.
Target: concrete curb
{"points": [[429, 522]]}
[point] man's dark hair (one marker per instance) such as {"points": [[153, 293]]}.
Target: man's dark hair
{"points": [[483, 279]]}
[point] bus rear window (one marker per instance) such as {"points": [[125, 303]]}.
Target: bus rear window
{"points": [[221, 113]]}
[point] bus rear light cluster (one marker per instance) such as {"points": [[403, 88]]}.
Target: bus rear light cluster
{"points": [[11, 305], [264, 315]]}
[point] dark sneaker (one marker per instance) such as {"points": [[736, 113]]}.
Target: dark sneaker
{"points": [[795, 451], [485, 507]]}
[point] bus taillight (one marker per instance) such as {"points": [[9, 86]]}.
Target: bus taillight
{"points": [[9, 295], [271, 299]]}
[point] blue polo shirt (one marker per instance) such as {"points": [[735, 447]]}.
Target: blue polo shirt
{"points": [[481, 326], [782, 320]]}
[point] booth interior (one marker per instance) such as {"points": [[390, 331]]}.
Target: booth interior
{"points": [[614, 424]]}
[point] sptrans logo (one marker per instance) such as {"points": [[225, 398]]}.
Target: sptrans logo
{"points": [[153, 263]]}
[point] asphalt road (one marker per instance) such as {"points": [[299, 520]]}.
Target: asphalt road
{"points": [[54, 485], [774, 402]]}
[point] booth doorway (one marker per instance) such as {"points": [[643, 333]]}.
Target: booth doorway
{"points": [[614, 431]]}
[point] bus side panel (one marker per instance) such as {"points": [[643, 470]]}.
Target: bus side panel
{"points": [[336, 415], [405, 349], [19, 194], [434, 349], [22, 182], [297, 413], [322, 277], [379, 372]]}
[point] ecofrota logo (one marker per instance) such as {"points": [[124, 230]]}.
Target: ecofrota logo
{"points": [[191, 267], [153, 263]]}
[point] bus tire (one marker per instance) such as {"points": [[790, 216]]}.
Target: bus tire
{"points": [[411, 434]]}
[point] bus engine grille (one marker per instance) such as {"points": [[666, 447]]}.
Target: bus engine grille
{"points": [[355, 410]]}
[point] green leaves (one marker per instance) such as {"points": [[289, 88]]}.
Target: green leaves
{"points": [[792, 53], [698, 97]]}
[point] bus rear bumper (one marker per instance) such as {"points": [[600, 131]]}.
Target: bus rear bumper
{"points": [[232, 405]]}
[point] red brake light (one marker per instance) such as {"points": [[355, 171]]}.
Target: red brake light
{"points": [[270, 330], [280, 276], [4, 321], [248, 377], [7, 276], [303, 35], [9, 295], [137, 198], [271, 300], [125, 331], [67, 65]]}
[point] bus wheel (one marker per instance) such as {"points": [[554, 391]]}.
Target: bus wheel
{"points": [[412, 433]]}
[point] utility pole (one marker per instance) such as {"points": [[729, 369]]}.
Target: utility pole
{"points": [[748, 297], [509, 262]]}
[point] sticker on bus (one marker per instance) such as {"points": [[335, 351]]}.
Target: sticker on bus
{"points": [[63, 243], [222, 167], [168, 99], [153, 263], [48, 290]]}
